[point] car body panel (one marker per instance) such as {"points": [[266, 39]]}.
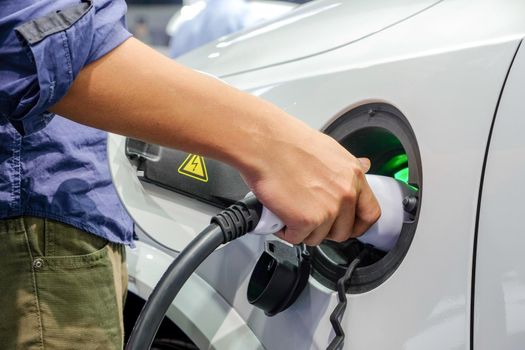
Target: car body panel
{"points": [[447, 85], [499, 314], [443, 26], [323, 22], [430, 291], [223, 328]]}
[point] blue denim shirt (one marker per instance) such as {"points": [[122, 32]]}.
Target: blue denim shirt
{"points": [[49, 166]]}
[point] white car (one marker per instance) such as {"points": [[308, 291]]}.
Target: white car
{"points": [[432, 91]]}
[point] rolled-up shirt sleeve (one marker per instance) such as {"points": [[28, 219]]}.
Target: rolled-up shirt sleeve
{"points": [[44, 45]]}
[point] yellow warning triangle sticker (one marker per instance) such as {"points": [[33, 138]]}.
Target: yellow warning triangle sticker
{"points": [[194, 167]]}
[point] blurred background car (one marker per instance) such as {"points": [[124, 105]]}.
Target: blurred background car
{"points": [[177, 26], [202, 21]]}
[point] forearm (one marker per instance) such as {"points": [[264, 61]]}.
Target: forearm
{"points": [[137, 92]]}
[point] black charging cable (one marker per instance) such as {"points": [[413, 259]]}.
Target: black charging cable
{"points": [[230, 224], [337, 315]]}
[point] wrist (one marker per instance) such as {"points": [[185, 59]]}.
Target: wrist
{"points": [[268, 142]]}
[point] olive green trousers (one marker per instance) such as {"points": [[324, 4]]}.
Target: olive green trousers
{"points": [[60, 287]]}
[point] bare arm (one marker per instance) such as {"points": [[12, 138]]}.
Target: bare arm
{"points": [[137, 92]]}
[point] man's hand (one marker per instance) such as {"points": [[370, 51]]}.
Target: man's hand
{"points": [[315, 186], [306, 178]]}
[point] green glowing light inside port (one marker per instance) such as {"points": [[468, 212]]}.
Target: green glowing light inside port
{"points": [[395, 164], [402, 175], [397, 167]]}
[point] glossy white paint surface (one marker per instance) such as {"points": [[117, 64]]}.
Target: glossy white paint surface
{"points": [[308, 30], [198, 310], [500, 269], [444, 69], [449, 100]]}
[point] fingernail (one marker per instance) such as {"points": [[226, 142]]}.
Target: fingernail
{"points": [[365, 163]]}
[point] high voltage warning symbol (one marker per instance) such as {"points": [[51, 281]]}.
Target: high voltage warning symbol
{"points": [[194, 167]]}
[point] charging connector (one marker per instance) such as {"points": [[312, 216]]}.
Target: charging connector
{"points": [[248, 215]]}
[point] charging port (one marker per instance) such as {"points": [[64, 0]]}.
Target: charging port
{"points": [[381, 133]]}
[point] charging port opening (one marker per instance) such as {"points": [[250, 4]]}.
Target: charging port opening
{"points": [[381, 133]]}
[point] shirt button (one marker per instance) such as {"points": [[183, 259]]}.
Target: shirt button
{"points": [[38, 263]]}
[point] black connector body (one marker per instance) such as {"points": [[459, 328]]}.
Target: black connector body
{"points": [[239, 218], [279, 277]]}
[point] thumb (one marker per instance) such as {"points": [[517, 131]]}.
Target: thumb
{"points": [[365, 164]]}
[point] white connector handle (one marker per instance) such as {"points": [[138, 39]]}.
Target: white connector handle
{"points": [[268, 224], [389, 193], [384, 233]]}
